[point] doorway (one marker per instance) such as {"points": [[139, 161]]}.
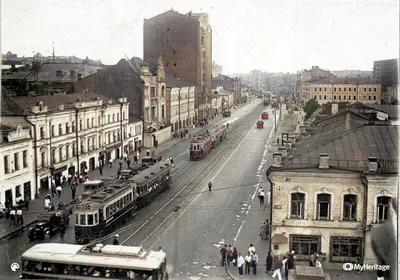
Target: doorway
{"points": [[117, 156], [44, 184], [27, 190], [9, 196], [71, 170], [92, 163]]}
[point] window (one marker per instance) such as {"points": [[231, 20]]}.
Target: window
{"points": [[174, 64], [374, 89], [6, 165], [67, 151], [53, 131], [117, 117], [167, 64], [323, 206], [369, 89], [334, 89], [162, 91], [100, 144], [60, 129], [92, 122], [315, 89], [324, 88], [324, 97], [365, 97], [53, 156], [98, 121], [334, 97], [25, 159], [320, 89], [315, 96], [340, 97], [374, 97], [350, 207], [67, 130], [297, 205], [87, 124], [355, 89], [344, 89], [42, 134], [349, 89], [304, 246], [80, 125], [344, 97], [90, 219], [340, 89], [82, 147], [163, 111], [43, 159], [125, 134], [60, 154], [113, 118], [319, 96], [73, 149], [73, 126], [16, 161], [355, 97], [202, 40], [93, 143], [17, 191], [174, 52], [369, 97], [109, 118], [382, 209], [365, 89], [88, 145], [153, 92], [345, 249], [83, 219]]}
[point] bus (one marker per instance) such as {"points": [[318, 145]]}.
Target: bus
{"points": [[70, 261]]}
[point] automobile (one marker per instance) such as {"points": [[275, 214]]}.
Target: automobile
{"points": [[47, 225], [151, 160]]}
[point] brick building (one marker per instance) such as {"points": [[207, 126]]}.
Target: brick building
{"points": [[185, 43], [232, 85]]}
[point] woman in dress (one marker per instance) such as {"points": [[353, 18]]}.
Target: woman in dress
{"points": [[263, 231]]}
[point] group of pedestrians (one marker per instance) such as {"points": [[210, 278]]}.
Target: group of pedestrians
{"points": [[261, 197], [14, 216]]}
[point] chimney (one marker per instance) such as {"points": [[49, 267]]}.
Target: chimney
{"points": [[323, 161], [372, 164], [277, 160], [79, 76]]}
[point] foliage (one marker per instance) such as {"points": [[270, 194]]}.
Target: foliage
{"points": [[310, 107]]}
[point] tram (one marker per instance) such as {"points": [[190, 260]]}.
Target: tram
{"points": [[119, 201], [201, 144], [70, 261]]}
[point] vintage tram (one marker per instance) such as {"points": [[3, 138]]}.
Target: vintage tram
{"points": [[118, 202], [201, 144]]}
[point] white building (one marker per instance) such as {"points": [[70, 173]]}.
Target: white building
{"points": [[216, 69], [72, 132], [17, 165], [181, 99]]}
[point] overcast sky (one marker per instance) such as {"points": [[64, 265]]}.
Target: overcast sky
{"points": [[267, 35]]}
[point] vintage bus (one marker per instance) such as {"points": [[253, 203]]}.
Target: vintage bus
{"points": [[69, 261]]}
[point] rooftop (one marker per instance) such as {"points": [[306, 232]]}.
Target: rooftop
{"points": [[342, 81], [172, 81], [149, 173]]}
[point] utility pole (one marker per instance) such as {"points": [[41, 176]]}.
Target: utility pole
{"points": [[54, 58]]}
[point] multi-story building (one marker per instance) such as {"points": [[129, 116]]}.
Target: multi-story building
{"points": [[73, 132], [216, 69], [386, 72], [181, 95], [341, 90], [232, 85], [315, 73], [255, 79], [185, 43], [16, 149], [328, 192]]}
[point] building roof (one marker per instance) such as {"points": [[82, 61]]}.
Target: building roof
{"points": [[53, 101], [391, 110], [342, 81], [172, 81], [21, 75], [13, 122], [48, 72]]}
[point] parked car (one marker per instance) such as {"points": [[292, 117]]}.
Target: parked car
{"points": [[47, 225]]}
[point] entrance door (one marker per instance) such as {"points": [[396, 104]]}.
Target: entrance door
{"points": [[27, 190], [9, 197], [71, 170], [83, 166], [92, 163], [117, 154], [44, 184]]}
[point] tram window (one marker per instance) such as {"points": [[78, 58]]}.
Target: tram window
{"points": [[76, 219], [96, 218], [83, 219], [130, 197], [107, 212], [90, 219]]}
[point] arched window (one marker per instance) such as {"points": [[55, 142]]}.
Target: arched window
{"points": [[297, 205], [350, 207], [162, 91], [323, 206]]}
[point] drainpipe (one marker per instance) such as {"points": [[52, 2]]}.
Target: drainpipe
{"points": [[51, 154], [77, 140], [179, 109], [122, 136], [365, 207], [35, 155]]}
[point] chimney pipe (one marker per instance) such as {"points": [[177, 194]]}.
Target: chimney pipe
{"points": [[277, 160], [323, 161], [372, 164]]}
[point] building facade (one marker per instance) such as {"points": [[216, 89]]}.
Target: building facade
{"points": [[75, 132], [255, 79], [216, 69], [233, 85], [185, 43], [386, 72], [341, 90], [17, 171]]}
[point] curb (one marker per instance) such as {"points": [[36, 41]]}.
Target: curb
{"points": [[22, 229], [229, 273]]}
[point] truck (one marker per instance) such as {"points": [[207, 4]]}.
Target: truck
{"points": [[226, 113], [266, 101]]}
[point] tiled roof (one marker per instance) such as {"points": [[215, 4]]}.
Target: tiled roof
{"points": [[346, 137], [172, 81], [342, 81], [48, 72], [53, 101]]}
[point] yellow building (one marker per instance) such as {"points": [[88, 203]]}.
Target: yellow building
{"points": [[343, 90]]}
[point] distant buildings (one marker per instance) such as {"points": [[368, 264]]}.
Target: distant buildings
{"points": [[228, 84], [341, 90], [185, 44], [386, 72], [216, 69], [255, 79]]}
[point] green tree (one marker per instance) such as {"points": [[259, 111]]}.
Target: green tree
{"points": [[310, 107]]}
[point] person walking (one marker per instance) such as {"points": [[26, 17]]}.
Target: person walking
{"points": [[135, 161], [73, 190], [47, 203], [240, 262], [269, 197], [263, 231], [268, 263], [209, 186], [285, 267], [19, 217], [234, 256], [261, 196], [110, 162], [254, 261], [247, 260], [116, 241], [119, 173], [128, 163], [101, 170], [62, 227], [12, 216], [148, 153], [172, 161], [277, 268], [59, 190], [229, 255], [223, 252], [120, 163]]}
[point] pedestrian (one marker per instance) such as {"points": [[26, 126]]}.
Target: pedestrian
{"points": [[47, 203], [135, 160], [268, 263], [116, 241], [261, 196], [138, 155], [254, 261], [12, 216], [240, 262], [172, 161], [234, 256], [222, 252], [229, 255], [251, 249], [128, 163], [168, 161], [120, 163], [73, 190], [263, 231], [59, 190], [209, 186], [285, 268], [19, 217], [247, 260], [269, 197], [64, 180], [62, 227], [110, 162], [316, 262], [139, 149], [148, 152], [119, 173], [53, 189], [101, 170]]}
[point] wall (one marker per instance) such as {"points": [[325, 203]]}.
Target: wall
{"points": [[162, 136]]}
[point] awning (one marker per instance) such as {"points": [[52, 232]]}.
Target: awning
{"points": [[279, 239]]}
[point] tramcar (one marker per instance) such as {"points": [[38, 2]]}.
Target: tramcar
{"points": [[91, 187], [69, 261], [201, 144], [118, 202]]}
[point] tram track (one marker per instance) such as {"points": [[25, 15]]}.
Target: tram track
{"points": [[146, 234]]}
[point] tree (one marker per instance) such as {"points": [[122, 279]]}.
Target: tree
{"points": [[310, 107]]}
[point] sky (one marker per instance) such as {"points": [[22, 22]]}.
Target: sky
{"points": [[274, 36]]}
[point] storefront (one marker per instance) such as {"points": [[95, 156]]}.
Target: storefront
{"points": [[304, 245]]}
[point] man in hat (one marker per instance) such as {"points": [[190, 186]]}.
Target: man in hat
{"points": [[116, 242]]}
